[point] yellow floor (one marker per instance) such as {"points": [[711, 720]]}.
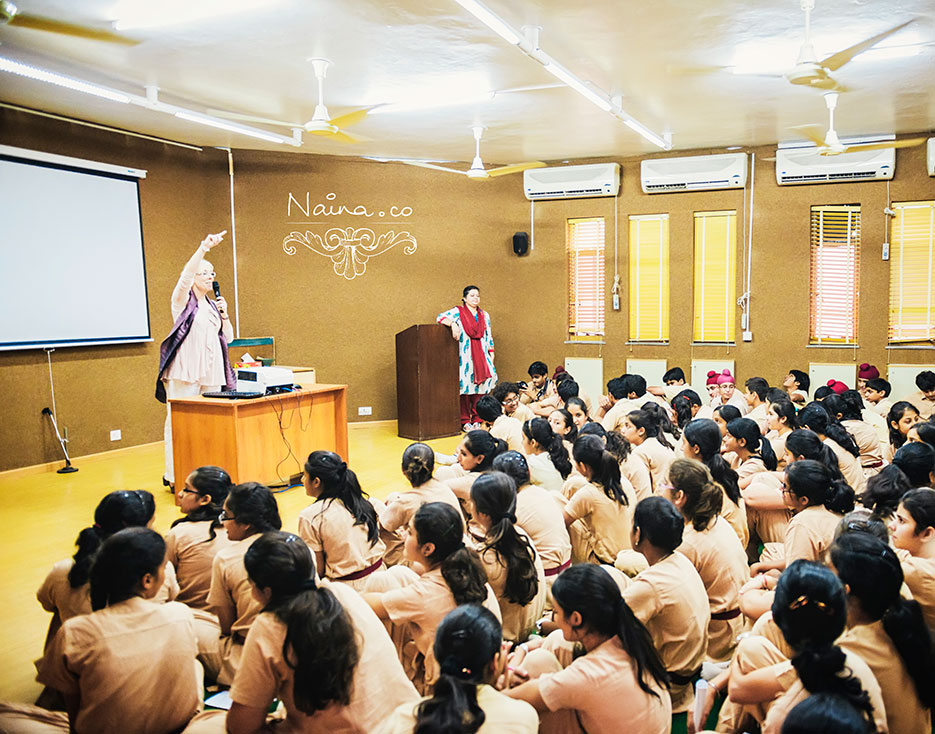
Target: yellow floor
{"points": [[42, 513]]}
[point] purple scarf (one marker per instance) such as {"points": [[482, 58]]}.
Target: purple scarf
{"points": [[170, 346]]}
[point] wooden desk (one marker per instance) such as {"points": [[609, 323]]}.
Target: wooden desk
{"points": [[248, 437]]}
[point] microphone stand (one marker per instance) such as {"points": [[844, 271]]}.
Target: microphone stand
{"points": [[68, 468]]}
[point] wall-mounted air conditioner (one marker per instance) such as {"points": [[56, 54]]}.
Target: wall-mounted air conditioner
{"points": [[572, 182], [694, 173], [930, 155], [806, 166]]}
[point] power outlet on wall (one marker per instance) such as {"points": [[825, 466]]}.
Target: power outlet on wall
{"points": [[365, 410], [115, 435]]}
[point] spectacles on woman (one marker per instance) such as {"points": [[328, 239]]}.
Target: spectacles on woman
{"points": [[223, 517]]}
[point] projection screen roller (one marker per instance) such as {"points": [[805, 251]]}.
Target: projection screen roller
{"points": [[72, 269]]}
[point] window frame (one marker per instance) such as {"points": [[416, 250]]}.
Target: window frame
{"points": [[578, 274], [828, 297]]}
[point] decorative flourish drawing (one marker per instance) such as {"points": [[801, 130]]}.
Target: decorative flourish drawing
{"points": [[349, 248]]}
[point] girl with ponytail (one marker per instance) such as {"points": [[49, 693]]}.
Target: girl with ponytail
{"points": [[616, 681], [603, 508], [712, 547], [900, 419], [65, 591], [563, 424], [687, 406], [102, 660], [538, 514], [848, 408], [464, 701], [917, 461], [452, 574], [341, 526], [753, 451], [702, 442], [816, 418], [417, 465], [632, 466], [886, 631], [641, 429], [780, 421], [514, 570], [810, 610], [197, 537], [546, 455], [912, 531], [316, 646], [475, 454]]}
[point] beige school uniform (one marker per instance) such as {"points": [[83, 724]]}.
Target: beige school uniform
{"points": [[423, 605], [669, 598], [543, 473], [919, 574], [602, 690], [635, 469], [450, 471], [905, 714], [400, 508], [752, 465], [327, 527], [657, 459], [736, 517], [871, 452], [878, 423], [614, 418], [721, 562], [796, 693], [882, 408], [517, 620], [133, 666], [191, 550], [540, 516], [758, 414], [769, 524], [461, 485], [606, 522], [925, 406], [502, 715], [849, 465], [509, 430], [810, 534], [778, 442], [522, 413], [379, 683]]}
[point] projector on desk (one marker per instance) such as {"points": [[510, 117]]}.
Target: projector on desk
{"points": [[264, 379]]}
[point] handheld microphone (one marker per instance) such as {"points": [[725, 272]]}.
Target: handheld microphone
{"points": [[217, 289]]}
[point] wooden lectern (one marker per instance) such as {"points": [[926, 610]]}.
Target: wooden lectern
{"points": [[427, 388]]}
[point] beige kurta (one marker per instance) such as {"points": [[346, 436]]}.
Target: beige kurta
{"points": [[606, 521], [327, 527], [721, 562], [400, 508], [601, 687], [614, 418], [191, 550], [769, 524], [759, 416], [810, 534], [540, 516], [919, 574], [924, 405], [543, 473], [522, 413], [509, 430], [850, 466], [636, 470], [736, 516], [379, 684], [502, 715], [657, 459], [868, 441], [518, 620], [905, 714], [423, 605], [778, 442], [669, 597], [750, 466], [230, 586], [130, 662]]}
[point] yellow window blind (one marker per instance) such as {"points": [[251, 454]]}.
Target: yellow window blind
{"points": [[715, 276], [584, 245], [912, 281], [834, 274], [649, 277]]}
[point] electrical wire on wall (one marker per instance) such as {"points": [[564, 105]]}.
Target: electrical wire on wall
{"points": [[230, 169], [747, 258]]}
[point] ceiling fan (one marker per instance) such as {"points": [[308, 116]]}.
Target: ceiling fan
{"points": [[321, 123], [829, 144], [10, 15], [476, 172], [810, 72]]}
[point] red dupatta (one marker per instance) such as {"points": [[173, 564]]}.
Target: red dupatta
{"points": [[475, 330]]}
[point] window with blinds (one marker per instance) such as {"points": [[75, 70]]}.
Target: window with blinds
{"points": [[649, 277], [715, 278], [584, 245], [834, 274], [912, 285]]}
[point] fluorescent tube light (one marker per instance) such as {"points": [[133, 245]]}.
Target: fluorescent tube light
{"points": [[41, 75], [560, 72], [232, 127], [646, 133], [491, 20]]}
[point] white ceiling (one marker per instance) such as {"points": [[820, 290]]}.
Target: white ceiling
{"points": [[254, 61]]}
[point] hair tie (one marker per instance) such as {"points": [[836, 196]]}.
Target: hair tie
{"points": [[804, 601], [454, 667], [96, 526]]}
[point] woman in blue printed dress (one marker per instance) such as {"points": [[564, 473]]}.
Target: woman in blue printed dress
{"points": [[470, 325]]}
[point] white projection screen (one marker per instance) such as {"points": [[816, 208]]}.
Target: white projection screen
{"points": [[72, 269]]}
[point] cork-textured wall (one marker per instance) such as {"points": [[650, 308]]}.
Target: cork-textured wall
{"points": [[450, 231]]}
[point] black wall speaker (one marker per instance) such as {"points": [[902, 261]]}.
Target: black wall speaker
{"points": [[520, 243]]}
